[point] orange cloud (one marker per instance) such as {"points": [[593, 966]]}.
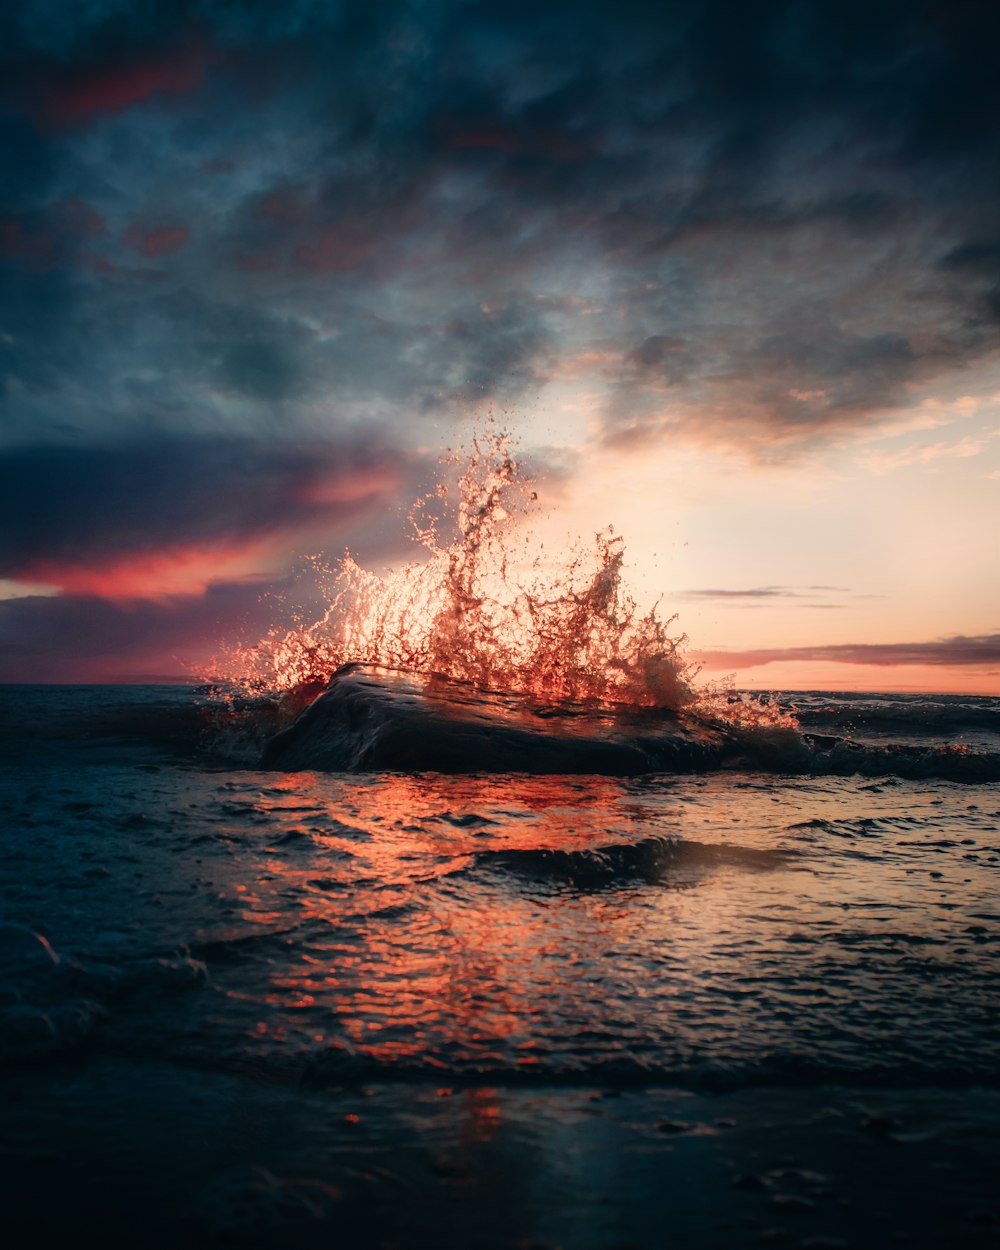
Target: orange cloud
{"points": [[181, 570], [362, 484], [969, 665]]}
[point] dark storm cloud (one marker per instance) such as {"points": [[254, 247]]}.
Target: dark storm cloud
{"points": [[82, 637], [81, 506], [770, 203]]}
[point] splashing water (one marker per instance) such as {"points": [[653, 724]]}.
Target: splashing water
{"points": [[488, 607]]}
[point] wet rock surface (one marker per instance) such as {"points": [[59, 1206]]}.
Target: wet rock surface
{"points": [[377, 718]]}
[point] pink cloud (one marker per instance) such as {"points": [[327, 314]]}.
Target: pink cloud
{"points": [[170, 571], [10, 234], [338, 250], [162, 241], [77, 218], [47, 239], [326, 490], [959, 650], [165, 242], [497, 136], [257, 262], [285, 207], [106, 90]]}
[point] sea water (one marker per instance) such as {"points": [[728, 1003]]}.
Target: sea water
{"points": [[710, 929], [174, 918]]}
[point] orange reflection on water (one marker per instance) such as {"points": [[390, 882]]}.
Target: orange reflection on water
{"points": [[481, 1121], [407, 966]]}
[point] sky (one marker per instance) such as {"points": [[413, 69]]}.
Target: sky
{"points": [[730, 271]]}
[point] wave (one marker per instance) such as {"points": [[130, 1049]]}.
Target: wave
{"points": [[506, 657], [488, 609], [654, 860], [55, 1008], [369, 718], [41, 718], [912, 715], [952, 762], [486, 605], [51, 1005]]}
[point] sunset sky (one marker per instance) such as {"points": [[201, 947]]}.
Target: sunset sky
{"points": [[730, 272]]}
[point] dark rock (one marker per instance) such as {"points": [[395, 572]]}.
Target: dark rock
{"points": [[372, 718]]}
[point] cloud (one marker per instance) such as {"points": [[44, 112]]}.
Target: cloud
{"points": [[87, 638], [156, 517], [956, 651], [172, 570], [46, 241], [161, 241], [882, 462], [751, 225], [89, 91], [760, 592], [251, 254], [787, 216]]}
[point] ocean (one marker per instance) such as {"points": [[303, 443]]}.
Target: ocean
{"points": [[750, 1000]]}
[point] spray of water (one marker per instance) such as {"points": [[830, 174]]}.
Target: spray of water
{"points": [[486, 605]]}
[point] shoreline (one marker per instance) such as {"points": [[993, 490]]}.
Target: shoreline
{"points": [[153, 1155]]}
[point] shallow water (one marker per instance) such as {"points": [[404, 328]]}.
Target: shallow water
{"points": [[716, 929], [332, 932]]}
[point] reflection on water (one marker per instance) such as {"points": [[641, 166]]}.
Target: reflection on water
{"points": [[396, 956], [446, 924], [687, 928]]}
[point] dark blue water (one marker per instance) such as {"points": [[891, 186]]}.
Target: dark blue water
{"points": [[712, 930], [749, 1005]]}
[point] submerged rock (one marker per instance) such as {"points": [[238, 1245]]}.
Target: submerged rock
{"points": [[371, 718]]}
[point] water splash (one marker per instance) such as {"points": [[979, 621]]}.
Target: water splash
{"points": [[486, 605]]}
